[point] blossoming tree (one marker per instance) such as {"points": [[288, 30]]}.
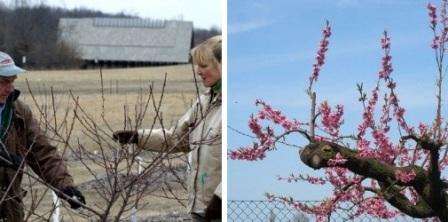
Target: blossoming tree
{"points": [[373, 171]]}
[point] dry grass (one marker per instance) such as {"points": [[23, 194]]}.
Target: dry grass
{"points": [[121, 90], [114, 80]]}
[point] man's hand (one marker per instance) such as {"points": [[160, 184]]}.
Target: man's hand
{"points": [[13, 161], [213, 210], [75, 197], [126, 136]]}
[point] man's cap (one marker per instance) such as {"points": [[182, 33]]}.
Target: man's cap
{"points": [[7, 66]]}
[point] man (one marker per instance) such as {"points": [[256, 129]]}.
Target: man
{"points": [[22, 142]]}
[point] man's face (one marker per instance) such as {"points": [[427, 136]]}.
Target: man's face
{"points": [[6, 87]]}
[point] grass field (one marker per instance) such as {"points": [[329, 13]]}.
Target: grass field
{"points": [[119, 90]]}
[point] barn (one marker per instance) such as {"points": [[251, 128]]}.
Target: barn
{"points": [[128, 41]]}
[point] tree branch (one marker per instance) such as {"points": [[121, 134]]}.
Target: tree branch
{"points": [[393, 196]]}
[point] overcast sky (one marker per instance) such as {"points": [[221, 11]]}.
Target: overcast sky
{"points": [[203, 13]]}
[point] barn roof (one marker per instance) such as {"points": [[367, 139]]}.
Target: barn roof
{"points": [[128, 39]]}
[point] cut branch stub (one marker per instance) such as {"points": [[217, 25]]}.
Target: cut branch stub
{"points": [[316, 155]]}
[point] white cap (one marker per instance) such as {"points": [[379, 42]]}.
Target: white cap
{"points": [[7, 66]]}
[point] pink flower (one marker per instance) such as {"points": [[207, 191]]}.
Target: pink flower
{"points": [[368, 121], [385, 42], [364, 149], [308, 178], [320, 56], [249, 153], [435, 42], [331, 121], [337, 160], [399, 115], [386, 70], [386, 150], [405, 176], [268, 113], [265, 136], [432, 15], [375, 206]]}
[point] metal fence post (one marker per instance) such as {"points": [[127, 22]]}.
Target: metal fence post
{"points": [[134, 215], [57, 204], [139, 171], [139, 164]]}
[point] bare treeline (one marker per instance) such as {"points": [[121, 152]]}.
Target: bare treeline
{"points": [[200, 35], [32, 31]]}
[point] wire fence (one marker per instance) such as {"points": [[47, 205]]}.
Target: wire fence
{"points": [[265, 211]]}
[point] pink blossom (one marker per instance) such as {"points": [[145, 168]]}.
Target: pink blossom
{"points": [[255, 126], [337, 176], [337, 160], [367, 115], [385, 42], [432, 15], [321, 210], [375, 206], [386, 69], [405, 176], [363, 148], [423, 129], [443, 14], [320, 56], [435, 42], [249, 153], [300, 177], [331, 121], [268, 113], [265, 135], [385, 148], [399, 115], [385, 117]]}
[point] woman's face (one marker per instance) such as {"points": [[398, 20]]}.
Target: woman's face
{"points": [[210, 74]]}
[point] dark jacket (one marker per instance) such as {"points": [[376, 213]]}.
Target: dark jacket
{"points": [[23, 136]]}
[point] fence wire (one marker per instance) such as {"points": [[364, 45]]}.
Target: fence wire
{"points": [[265, 211]]}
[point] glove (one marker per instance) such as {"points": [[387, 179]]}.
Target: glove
{"points": [[213, 210], [76, 197], [126, 136], [14, 161]]}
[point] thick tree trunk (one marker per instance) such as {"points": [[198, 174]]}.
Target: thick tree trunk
{"points": [[428, 184]]}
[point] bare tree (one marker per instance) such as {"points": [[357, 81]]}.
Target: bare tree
{"points": [[120, 180]]}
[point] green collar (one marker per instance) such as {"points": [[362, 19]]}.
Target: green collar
{"points": [[217, 87], [6, 114]]}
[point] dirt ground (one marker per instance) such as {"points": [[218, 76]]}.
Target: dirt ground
{"points": [[108, 98]]}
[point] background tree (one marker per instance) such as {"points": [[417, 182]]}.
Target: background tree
{"points": [[371, 170]]}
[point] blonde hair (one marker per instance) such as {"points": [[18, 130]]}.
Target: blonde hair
{"points": [[208, 52]]}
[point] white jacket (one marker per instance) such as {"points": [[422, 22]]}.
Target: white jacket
{"points": [[198, 131]]}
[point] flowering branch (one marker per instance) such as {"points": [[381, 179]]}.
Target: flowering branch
{"points": [[320, 61], [406, 174]]}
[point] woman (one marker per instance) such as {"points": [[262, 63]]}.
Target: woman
{"points": [[197, 132]]}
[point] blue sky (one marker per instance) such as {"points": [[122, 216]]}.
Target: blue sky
{"points": [[271, 49]]}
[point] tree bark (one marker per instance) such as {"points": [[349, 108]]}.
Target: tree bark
{"points": [[428, 184]]}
